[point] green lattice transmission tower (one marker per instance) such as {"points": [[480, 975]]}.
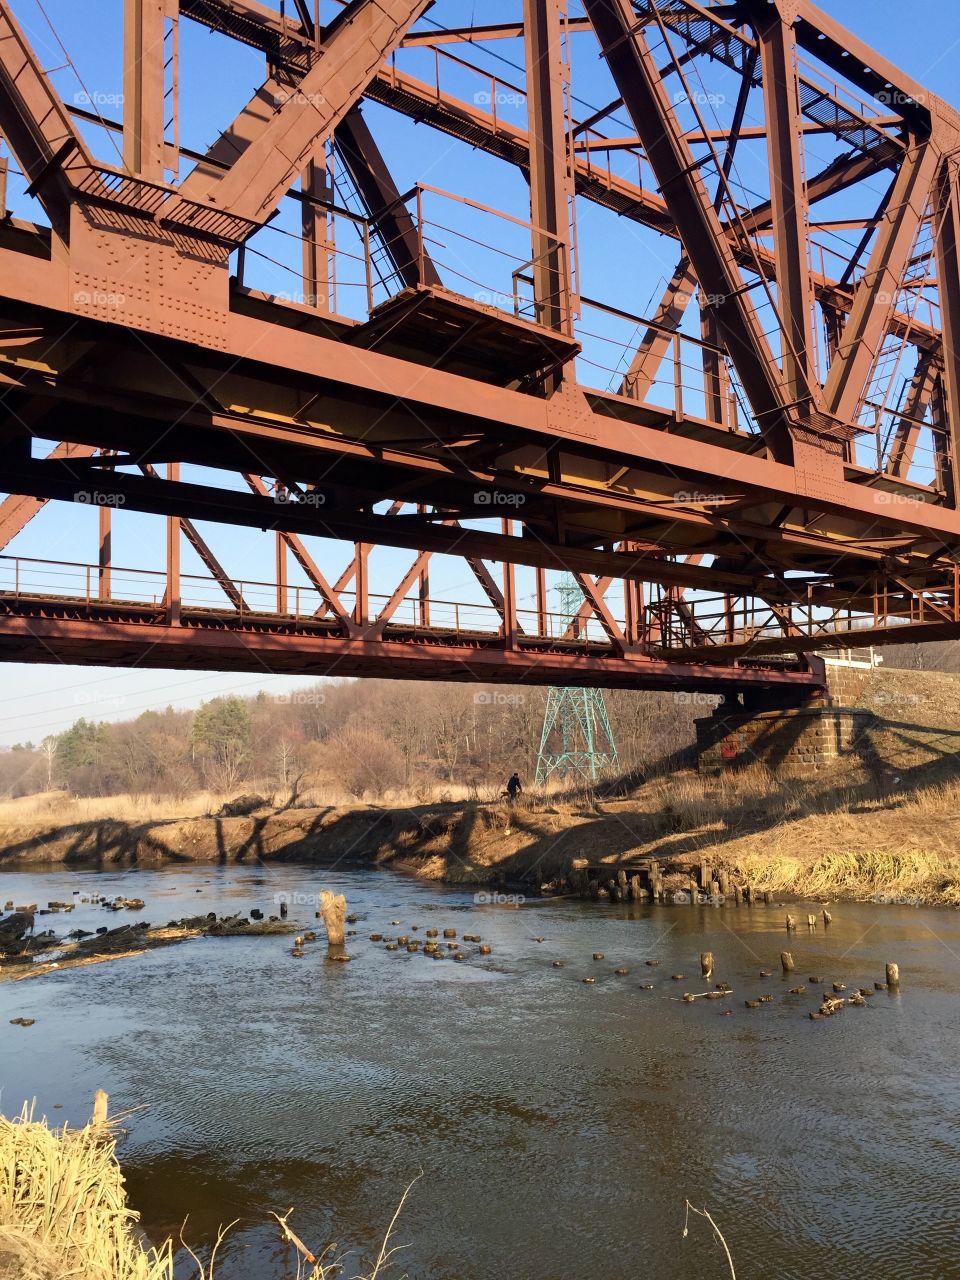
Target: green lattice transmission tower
{"points": [[576, 738]]}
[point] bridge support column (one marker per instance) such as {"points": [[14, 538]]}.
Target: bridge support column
{"points": [[800, 741]]}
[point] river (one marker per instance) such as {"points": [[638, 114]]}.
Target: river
{"points": [[559, 1126]]}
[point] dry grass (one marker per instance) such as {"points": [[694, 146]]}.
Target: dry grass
{"points": [[63, 1208], [64, 1212], [910, 874], [64, 808]]}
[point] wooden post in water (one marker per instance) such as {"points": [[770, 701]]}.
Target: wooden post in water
{"points": [[99, 1120], [827, 918], [723, 879], [706, 964], [694, 890], [893, 975], [705, 875], [811, 921], [786, 961], [791, 923], [768, 896], [737, 894], [333, 910]]}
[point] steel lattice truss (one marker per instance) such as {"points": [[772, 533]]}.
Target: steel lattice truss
{"points": [[769, 465]]}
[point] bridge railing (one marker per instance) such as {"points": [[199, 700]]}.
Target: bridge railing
{"points": [[26, 579]]}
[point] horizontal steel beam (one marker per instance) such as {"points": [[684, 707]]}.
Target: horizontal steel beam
{"points": [[204, 643]]}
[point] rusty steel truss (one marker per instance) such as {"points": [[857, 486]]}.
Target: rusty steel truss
{"points": [[769, 469]]}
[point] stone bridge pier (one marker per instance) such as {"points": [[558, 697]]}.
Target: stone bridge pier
{"points": [[802, 740]]}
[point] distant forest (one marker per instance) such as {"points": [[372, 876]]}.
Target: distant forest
{"points": [[365, 738]]}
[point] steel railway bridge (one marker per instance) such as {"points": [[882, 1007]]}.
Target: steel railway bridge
{"points": [[768, 470]]}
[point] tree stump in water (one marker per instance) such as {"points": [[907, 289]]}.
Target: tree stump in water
{"points": [[706, 963], [333, 912], [893, 976], [98, 1122], [786, 961]]}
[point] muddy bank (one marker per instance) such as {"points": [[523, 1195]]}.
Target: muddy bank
{"points": [[455, 843], [789, 843]]}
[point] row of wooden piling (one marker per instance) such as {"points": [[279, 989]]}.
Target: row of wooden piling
{"points": [[622, 885]]}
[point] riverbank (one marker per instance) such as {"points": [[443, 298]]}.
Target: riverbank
{"points": [[844, 838], [64, 1211]]}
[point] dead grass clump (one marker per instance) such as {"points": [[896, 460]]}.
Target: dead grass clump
{"points": [[63, 1208], [909, 873], [64, 1212]]}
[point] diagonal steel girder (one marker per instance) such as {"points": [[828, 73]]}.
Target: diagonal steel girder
{"points": [[37, 125], [907, 433], [880, 286], [281, 129], [388, 214], [637, 76]]}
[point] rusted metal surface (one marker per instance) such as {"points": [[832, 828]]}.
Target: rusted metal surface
{"points": [[780, 482]]}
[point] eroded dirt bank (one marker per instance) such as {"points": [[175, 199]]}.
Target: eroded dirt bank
{"points": [[788, 839]]}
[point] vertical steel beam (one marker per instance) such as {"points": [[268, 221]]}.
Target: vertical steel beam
{"points": [[551, 176], [633, 610], [509, 597], [788, 200], [172, 598], [143, 87], [361, 605], [104, 556], [316, 236], [947, 226], [944, 454], [716, 383], [280, 550], [542, 613], [424, 587]]}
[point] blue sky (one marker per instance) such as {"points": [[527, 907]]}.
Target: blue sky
{"points": [[217, 77]]}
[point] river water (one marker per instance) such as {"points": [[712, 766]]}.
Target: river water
{"points": [[559, 1126]]}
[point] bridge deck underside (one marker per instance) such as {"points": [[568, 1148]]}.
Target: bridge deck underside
{"points": [[134, 637]]}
